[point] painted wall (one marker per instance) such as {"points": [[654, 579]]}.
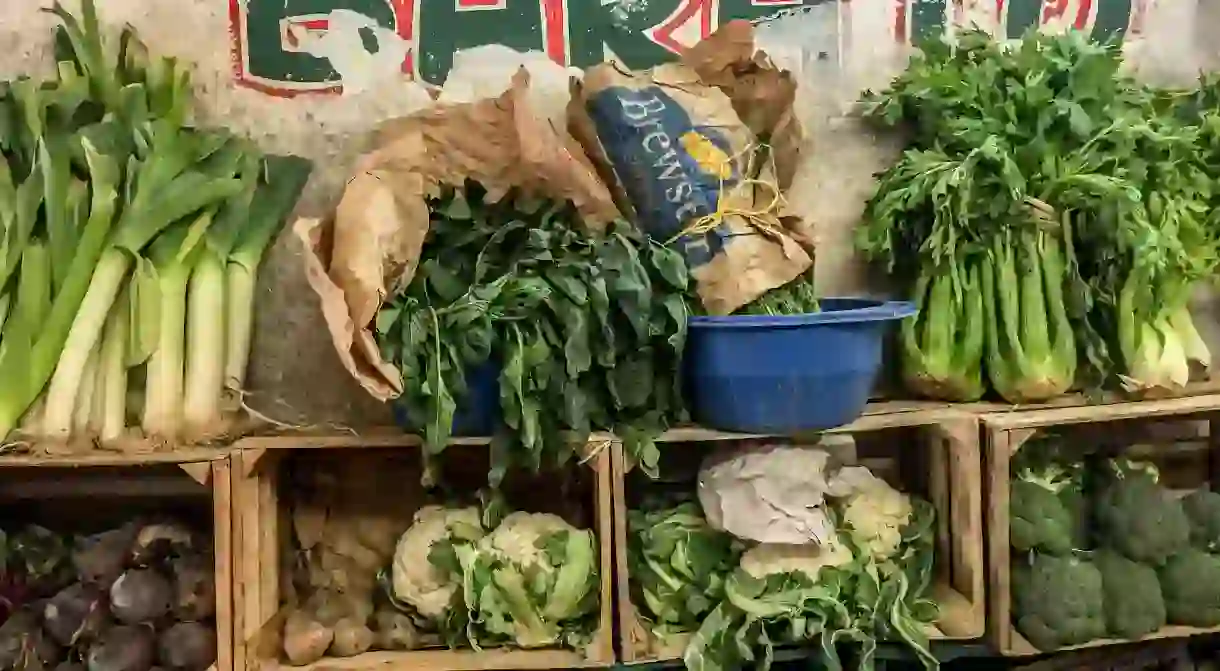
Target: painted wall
{"points": [[294, 50]]}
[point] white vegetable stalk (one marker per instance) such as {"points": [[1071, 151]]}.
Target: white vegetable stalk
{"points": [[83, 338], [110, 405], [84, 397], [240, 283], [1196, 350], [205, 342], [164, 392]]}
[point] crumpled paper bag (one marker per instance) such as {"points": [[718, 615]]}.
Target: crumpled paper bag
{"points": [[773, 493], [700, 153], [369, 250]]}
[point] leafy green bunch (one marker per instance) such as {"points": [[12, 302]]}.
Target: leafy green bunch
{"points": [[839, 592], [678, 564], [1048, 211], [588, 330]]}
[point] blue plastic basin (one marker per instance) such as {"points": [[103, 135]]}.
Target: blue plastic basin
{"points": [[477, 414], [763, 374]]}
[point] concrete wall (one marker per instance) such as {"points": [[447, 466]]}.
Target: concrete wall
{"points": [[838, 49]]}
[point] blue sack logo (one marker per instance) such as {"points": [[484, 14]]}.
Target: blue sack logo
{"points": [[672, 170]]}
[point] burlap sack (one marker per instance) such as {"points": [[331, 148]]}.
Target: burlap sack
{"points": [[700, 153], [370, 249]]}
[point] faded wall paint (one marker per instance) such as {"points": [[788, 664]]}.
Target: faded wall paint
{"points": [[268, 35]]}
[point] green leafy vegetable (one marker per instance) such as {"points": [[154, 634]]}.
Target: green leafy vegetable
{"points": [[588, 331]]}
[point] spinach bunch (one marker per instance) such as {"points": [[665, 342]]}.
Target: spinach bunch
{"points": [[588, 330]]}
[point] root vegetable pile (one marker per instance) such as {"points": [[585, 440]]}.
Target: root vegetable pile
{"points": [[129, 244], [131, 599]]}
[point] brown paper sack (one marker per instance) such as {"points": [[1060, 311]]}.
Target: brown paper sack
{"points": [[370, 250], [700, 153]]}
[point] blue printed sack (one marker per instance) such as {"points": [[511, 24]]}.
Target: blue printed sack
{"points": [[686, 168]]}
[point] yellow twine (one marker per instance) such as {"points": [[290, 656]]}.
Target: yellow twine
{"points": [[762, 219]]}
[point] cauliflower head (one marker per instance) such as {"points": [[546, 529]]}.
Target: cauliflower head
{"points": [[767, 559], [874, 515], [1058, 601], [416, 579]]}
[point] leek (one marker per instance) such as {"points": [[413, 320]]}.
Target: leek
{"points": [[165, 190], [205, 325], [285, 179], [174, 254], [110, 402]]}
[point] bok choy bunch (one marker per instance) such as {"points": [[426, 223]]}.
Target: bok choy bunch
{"points": [[1052, 195], [111, 209]]}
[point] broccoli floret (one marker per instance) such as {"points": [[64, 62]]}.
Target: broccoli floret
{"points": [[1203, 510], [1040, 518], [1134, 607], [1190, 582], [1057, 601], [1142, 520]]}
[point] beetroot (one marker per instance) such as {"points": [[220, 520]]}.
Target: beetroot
{"points": [[76, 613], [123, 648], [140, 595], [101, 558], [187, 646], [24, 646], [194, 588], [157, 542]]}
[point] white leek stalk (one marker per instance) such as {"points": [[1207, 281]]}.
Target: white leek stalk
{"points": [[205, 342], [110, 400]]}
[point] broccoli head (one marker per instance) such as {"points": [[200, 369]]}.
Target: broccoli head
{"points": [[1190, 582], [1142, 520], [1134, 607], [1203, 510], [1057, 601], [1040, 518]]}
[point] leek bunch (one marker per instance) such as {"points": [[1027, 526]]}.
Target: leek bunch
{"points": [[129, 246], [1049, 218]]}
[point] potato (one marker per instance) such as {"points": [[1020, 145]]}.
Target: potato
{"points": [[352, 638], [305, 639], [394, 631], [123, 648]]}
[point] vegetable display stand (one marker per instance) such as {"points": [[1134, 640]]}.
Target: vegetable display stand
{"points": [[932, 453], [1111, 503], [326, 515], [134, 553]]}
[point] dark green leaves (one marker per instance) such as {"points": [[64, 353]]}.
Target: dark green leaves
{"points": [[587, 331]]}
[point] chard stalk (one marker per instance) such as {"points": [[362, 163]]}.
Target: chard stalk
{"points": [[1196, 349]]}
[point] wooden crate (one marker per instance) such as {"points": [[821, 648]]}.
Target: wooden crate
{"points": [[1179, 433], [949, 457], [263, 592], [111, 488]]}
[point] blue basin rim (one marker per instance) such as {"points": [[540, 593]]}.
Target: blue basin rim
{"points": [[835, 311]]}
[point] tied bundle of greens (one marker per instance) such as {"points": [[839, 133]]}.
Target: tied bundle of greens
{"points": [[112, 213], [1049, 214], [587, 331]]}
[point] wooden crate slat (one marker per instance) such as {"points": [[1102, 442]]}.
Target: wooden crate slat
{"points": [[1005, 433]]}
